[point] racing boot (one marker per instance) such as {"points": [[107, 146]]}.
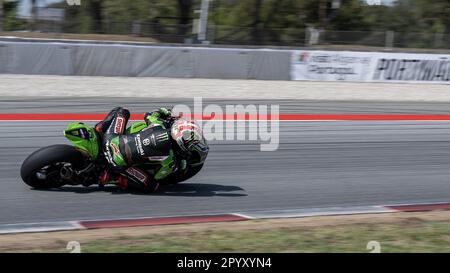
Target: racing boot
{"points": [[104, 179]]}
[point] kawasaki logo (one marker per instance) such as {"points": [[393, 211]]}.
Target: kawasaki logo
{"points": [[138, 142]]}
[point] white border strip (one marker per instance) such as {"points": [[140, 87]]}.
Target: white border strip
{"points": [[39, 227], [316, 212]]}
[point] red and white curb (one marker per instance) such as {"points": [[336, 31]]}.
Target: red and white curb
{"points": [[228, 217]]}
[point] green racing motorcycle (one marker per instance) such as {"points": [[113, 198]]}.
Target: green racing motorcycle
{"points": [[80, 163]]}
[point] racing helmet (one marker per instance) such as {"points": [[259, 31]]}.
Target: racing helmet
{"points": [[190, 139]]}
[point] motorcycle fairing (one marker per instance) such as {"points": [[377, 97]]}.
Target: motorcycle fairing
{"points": [[136, 127], [83, 137]]}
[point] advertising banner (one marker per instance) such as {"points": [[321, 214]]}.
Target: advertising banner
{"points": [[330, 65], [370, 67]]}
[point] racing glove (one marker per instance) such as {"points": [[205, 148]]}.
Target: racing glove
{"points": [[160, 116]]}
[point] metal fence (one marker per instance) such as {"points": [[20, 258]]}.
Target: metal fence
{"points": [[365, 38], [255, 36]]}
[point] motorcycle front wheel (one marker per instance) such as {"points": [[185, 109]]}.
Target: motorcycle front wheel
{"points": [[50, 167]]}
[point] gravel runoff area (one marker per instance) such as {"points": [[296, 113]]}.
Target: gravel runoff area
{"points": [[44, 85]]}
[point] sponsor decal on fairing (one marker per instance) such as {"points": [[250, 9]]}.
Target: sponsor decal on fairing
{"points": [[138, 174]]}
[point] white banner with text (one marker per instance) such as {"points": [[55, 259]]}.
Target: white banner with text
{"points": [[370, 67]]}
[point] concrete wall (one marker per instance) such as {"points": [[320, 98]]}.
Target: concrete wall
{"points": [[46, 58]]}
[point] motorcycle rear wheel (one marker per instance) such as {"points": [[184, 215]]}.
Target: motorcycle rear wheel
{"points": [[42, 169]]}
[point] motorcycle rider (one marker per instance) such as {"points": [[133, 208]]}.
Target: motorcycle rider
{"points": [[176, 146]]}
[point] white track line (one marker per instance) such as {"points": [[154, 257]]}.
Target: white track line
{"points": [[315, 212]]}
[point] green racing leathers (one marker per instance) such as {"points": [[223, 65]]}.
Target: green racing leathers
{"points": [[141, 158]]}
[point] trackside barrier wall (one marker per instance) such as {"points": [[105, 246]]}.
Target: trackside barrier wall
{"points": [[143, 61], [83, 59]]}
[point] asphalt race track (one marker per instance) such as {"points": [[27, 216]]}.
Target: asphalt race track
{"points": [[318, 164]]}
